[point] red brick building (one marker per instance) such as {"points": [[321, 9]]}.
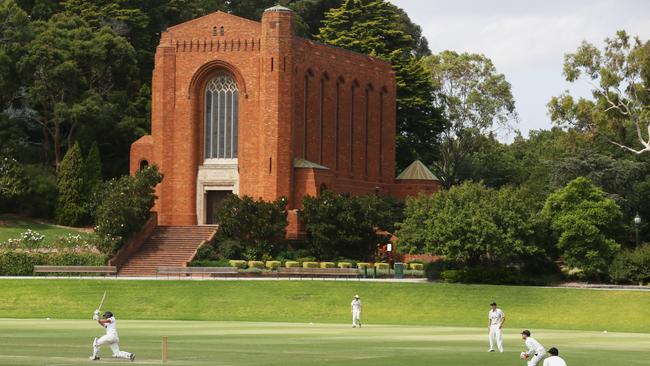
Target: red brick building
{"points": [[247, 107]]}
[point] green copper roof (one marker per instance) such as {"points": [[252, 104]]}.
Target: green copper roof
{"points": [[416, 170], [302, 163], [278, 8]]}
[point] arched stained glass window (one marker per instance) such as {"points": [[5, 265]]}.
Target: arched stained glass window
{"points": [[221, 118]]}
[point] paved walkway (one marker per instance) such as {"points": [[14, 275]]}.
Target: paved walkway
{"points": [[198, 278], [573, 285]]}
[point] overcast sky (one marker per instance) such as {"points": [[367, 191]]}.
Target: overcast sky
{"points": [[527, 40]]}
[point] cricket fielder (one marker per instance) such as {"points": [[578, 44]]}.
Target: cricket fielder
{"points": [[496, 318], [536, 351], [554, 359], [356, 311], [110, 338]]}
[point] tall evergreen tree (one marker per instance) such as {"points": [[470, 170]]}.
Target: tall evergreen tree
{"points": [[374, 27], [71, 183]]}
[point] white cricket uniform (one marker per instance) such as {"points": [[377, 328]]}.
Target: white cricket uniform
{"points": [[496, 318], [535, 352], [554, 361], [356, 312], [112, 339]]}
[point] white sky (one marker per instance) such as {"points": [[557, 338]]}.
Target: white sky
{"points": [[527, 40]]}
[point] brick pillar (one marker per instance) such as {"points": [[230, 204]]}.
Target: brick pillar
{"points": [[162, 124], [276, 101]]}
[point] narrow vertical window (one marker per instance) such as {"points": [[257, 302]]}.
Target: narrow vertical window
{"points": [[320, 120], [337, 119], [305, 121], [221, 118], [221, 31], [381, 132], [351, 152], [365, 133]]}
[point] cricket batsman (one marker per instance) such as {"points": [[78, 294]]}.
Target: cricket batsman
{"points": [[496, 318], [536, 351], [110, 338], [356, 311]]}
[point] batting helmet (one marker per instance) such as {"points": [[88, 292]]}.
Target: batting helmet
{"points": [[108, 314]]}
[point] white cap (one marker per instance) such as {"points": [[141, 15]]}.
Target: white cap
{"points": [[356, 296]]}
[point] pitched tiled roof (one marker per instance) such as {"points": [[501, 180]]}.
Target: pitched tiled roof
{"points": [[302, 163], [417, 170]]}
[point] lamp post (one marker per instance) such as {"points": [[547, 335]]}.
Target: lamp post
{"points": [[637, 222], [389, 249]]}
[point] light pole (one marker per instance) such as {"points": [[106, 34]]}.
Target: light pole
{"points": [[637, 222], [389, 249]]}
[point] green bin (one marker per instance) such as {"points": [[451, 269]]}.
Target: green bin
{"points": [[399, 270]]}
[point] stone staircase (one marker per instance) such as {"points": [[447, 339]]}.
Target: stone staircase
{"points": [[167, 246]]}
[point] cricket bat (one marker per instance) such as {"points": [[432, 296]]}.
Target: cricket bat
{"points": [[102, 302]]}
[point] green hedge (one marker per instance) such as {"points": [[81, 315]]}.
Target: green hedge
{"points": [[362, 265], [256, 264], [327, 265], [345, 265], [274, 265], [241, 264], [19, 263], [382, 266], [310, 265], [209, 263], [416, 266], [292, 264]]}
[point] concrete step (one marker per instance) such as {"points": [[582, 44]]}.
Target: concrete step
{"points": [[167, 246]]}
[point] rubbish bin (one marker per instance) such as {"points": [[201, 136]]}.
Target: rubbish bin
{"points": [[399, 270]]}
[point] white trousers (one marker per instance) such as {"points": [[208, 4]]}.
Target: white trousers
{"points": [[536, 358], [114, 343], [495, 333], [356, 317]]}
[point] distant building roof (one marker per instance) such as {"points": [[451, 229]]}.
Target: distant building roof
{"points": [[416, 170], [278, 8], [302, 163]]}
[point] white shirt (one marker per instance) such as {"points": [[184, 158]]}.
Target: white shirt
{"points": [[554, 361], [534, 347], [111, 328], [356, 305], [495, 316]]}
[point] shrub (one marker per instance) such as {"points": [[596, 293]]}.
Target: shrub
{"points": [[13, 180], [338, 225], [362, 265], [382, 266], [206, 252], [21, 263], [292, 264], [433, 270], [210, 263], [310, 265], [237, 263], [327, 265], [451, 275], [306, 259], [273, 265], [125, 205], [416, 266], [230, 248], [345, 265], [631, 266], [258, 226], [256, 264], [71, 208]]}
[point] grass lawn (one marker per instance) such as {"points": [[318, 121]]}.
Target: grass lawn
{"points": [[329, 302], [12, 226], [68, 342]]}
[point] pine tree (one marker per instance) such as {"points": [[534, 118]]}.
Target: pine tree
{"points": [[374, 27], [71, 207], [93, 168]]}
